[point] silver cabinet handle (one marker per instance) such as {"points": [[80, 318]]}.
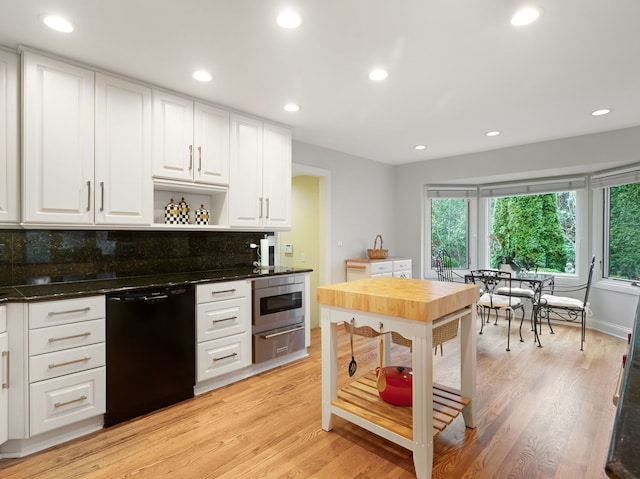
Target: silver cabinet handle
{"points": [[190, 157], [225, 357], [66, 403], [88, 195], [69, 311], [260, 207], [53, 340], [224, 291], [52, 366], [199, 158], [102, 196], [5, 384], [223, 320], [269, 336], [267, 209]]}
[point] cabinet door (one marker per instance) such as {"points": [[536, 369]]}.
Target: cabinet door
{"points": [[124, 189], [172, 136], [276, 176], [246, 203], [4, 387], [9, 138], [211, 142], [57, 141]]}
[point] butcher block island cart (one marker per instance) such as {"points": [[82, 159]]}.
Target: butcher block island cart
{"points": [[414, 309]]}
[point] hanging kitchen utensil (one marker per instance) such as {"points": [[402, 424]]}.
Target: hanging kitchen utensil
{"points": [[381, 382], [353, 366]]}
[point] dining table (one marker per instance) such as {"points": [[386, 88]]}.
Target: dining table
{"points": [[537, 282]]}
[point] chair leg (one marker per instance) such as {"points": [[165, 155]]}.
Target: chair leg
{"points": [[520, 329], [583, 330], [508, 328], [480, 309], [549, 320]]}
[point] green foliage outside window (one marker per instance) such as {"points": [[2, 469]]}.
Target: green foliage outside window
{"points": [[624, 232], [534, 231], [449, 229]]}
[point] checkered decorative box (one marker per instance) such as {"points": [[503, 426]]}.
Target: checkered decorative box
{"points": [[171, 216], [183, 212], [202, 216]]}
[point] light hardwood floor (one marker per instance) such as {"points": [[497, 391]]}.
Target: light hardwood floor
{"points": [[543, 413]]}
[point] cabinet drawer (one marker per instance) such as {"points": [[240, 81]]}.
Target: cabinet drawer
{"points": [[224, 355], [387, 275], [53, 365], [379, 267], [64, 311], [3, 318], [223, 318], [57, 338], [401, 264], [225, 290], [61, 401]]}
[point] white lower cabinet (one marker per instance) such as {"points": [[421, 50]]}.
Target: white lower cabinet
{"points": [[4, 376], [66, 365], [223, 328]]}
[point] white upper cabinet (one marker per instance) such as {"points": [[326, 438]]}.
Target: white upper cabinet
{"points": [[9, 138], [276, 176], [260, 174], [124, 188], [57, 141], [190, 140]]}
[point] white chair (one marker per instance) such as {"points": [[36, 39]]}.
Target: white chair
{"points": [[569, 308]]}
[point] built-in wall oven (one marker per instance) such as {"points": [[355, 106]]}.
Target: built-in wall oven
{"points": [[278, 316]]}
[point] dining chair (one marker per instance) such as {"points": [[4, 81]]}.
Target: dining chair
{"points": [[521, 292], [444, 267], [569, 308], [489, 281]]}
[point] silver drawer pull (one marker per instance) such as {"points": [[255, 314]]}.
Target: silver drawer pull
{"points": [[51, 366], [225, 357], [53, 340], [66, 403], [269, 336], [223, 320], [5, 384], [70, 311], [224, 291]]}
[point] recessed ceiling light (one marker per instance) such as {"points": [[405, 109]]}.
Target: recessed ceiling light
{"points": [[419, 147], [202, 75], [57, 23], [492, 133], [604, 111], [378, 74], [289, 19], [525, 16], [291, 107]]}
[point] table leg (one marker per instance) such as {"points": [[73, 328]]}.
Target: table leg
{"points": [[329, 336], [423, 395], [468, 366]]}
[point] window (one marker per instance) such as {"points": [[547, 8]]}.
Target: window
{"points": [[534, 232], [449, 222], [621, 223]]}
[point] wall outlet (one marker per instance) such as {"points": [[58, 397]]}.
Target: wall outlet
{"points": [[288, 248]]}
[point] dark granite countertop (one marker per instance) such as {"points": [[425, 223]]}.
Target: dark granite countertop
{"points": [[624, 461], [61, 288]]}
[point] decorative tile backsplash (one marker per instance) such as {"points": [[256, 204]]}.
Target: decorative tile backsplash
{"points": [[30, 255]]}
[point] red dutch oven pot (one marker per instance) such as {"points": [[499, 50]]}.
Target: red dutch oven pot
{"points": [[397, 383]]}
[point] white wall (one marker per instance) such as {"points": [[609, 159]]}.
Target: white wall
{"points": [[362, 203]]}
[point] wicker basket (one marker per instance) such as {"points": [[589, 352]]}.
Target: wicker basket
{"points": [[440, 334], [375, 253]]}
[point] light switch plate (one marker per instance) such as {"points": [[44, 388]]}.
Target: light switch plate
{"points": [[288, 248]]}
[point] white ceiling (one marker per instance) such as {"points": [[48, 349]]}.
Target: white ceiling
{"points": [[457, 68]]}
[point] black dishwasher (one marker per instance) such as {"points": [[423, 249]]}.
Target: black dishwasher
{"points": [[150, 350]]}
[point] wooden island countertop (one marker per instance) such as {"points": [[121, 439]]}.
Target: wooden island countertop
{"points": [[416, 299]]}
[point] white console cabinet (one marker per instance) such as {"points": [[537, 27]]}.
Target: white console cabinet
{"points": [[370, 268]]}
